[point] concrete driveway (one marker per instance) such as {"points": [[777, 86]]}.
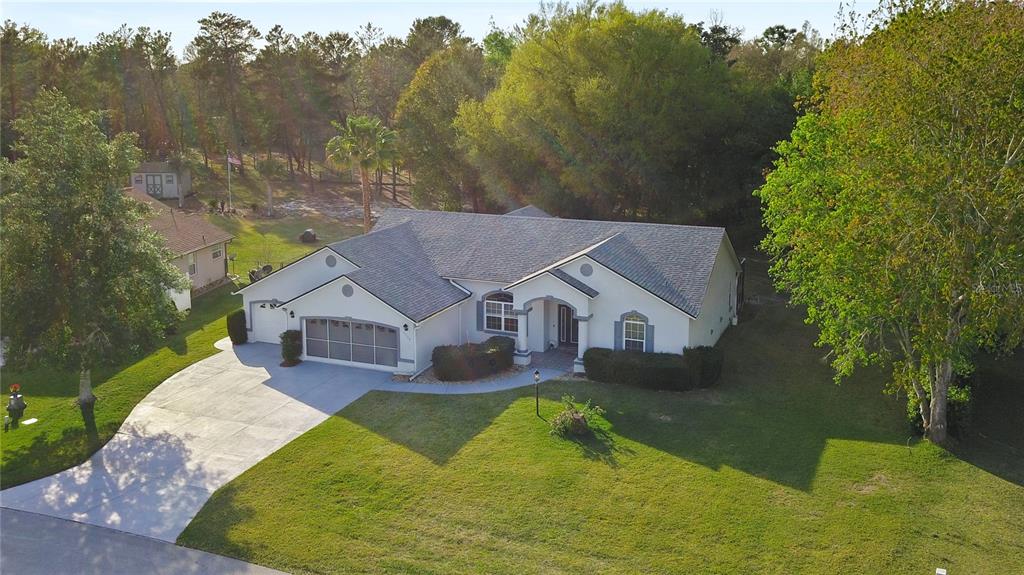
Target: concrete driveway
{"points": [[203, 427], [192, 434]]}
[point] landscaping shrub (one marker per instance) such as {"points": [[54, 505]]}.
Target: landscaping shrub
{"points": [[697, 367], [704, 364], [291, 347], [473, 360], [236, 327], [574, 420]]}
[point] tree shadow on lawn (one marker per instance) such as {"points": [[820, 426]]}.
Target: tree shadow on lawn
{"points": [[212, 531], [995, 440], [426, 423], [774, 409]]}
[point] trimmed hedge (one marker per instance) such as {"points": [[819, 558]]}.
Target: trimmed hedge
{"points": [[697, 367], [291, 347], [704, 364], [473, 360], [236, 327]]}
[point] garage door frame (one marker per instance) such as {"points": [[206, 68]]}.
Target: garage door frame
{"points": [[269, 309], [351, 320]]}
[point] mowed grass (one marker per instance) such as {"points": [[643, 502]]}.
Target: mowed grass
{"points": [[777, 470], [59, 440], [260, 241]]}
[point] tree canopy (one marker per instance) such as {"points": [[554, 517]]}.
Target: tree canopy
{"points": [[896, 211], [604, 112], [430, 145], [84, 278]]}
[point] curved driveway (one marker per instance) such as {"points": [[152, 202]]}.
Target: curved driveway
{"points": [[203, 427]]}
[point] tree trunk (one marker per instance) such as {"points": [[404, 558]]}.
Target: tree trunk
{"points": [[394, 182], [270, 198], [941, 378], [364, 179], [85, 396], [87, 404]]}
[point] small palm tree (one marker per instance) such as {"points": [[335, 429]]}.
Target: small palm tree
{"points": [[366, 143]]}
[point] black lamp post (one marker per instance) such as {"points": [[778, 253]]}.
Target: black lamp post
{"points": [[536, 389]]}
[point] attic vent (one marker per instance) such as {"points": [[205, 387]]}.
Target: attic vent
{"points": [[586, 270], [346, 290], [331, 261]]}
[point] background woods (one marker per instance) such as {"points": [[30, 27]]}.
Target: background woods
{"points": [[668, 121]]}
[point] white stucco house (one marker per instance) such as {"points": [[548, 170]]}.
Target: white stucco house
{"points": [[421, 279], [199, 248]]}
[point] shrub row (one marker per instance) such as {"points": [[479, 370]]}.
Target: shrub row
{"points": [[473, 360], [236, 327], [697, 367]]}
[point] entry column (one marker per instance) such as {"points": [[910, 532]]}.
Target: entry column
{"points": [[583, 341], [522, 353]]}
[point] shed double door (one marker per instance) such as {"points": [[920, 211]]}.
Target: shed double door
{"points": [[155, 185]]}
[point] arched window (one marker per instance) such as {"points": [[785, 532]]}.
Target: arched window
{"points": [[634, 332], [498, 313]]}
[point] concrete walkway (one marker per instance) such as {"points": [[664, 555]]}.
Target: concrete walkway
{"points": [[40, 545], [202, 428]]}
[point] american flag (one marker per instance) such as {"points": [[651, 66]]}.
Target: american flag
{"points": [[234, 160]]}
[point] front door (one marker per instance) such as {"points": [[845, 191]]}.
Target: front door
{"points": [[568, 328]]}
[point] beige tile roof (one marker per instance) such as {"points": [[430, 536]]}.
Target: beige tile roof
{"points": [[183, 232]]}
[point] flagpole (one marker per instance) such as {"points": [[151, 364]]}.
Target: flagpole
{"points": [[228, 155]]}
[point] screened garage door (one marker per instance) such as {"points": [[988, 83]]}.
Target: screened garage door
{"points": [[359, 341]]}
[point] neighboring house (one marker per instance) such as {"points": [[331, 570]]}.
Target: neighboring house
{"points": [[421, 279], [199, 247], [162, 181]]}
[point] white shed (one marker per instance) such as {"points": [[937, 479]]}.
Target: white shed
{"points": [[162, 180]]}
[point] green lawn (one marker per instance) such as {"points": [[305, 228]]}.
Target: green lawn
{"points": [[276, 241], [58, 441], [777, 470]]}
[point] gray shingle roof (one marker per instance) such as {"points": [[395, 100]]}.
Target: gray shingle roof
{"points": [[530, 211], [591, 292], [672, 262], [394, 267]]}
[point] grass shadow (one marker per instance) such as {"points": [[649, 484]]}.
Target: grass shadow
{"points": [[773, 412], [600, 445], [425, 423], [995, 439]]}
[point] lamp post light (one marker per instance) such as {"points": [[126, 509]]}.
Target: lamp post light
{"points": [[536, 389]]}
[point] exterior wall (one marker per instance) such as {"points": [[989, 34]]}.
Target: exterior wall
{"points": [[618, 296], [297, 279], [538, 296], [170, 190], [719, 308], [182, 299], [469, 332], [330, 302], [441, 329], [208, 268]]}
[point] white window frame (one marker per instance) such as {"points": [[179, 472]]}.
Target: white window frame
{"points": [[634, 320], [502, 311], [192, 264], [217, 253]]}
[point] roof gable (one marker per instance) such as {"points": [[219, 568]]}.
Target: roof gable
{"points": [[529, 211]]}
